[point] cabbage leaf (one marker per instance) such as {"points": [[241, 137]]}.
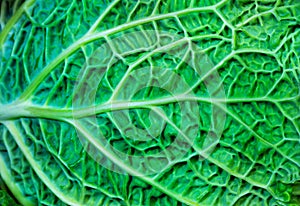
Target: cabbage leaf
{"points": [[158, 102]]}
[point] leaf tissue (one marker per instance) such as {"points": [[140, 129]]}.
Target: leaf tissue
{"points": [[157, 102]]}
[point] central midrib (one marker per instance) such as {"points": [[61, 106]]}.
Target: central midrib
{"points": [[28, 109]]}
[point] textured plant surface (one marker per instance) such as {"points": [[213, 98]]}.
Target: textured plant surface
{"points": [[150, 102]]}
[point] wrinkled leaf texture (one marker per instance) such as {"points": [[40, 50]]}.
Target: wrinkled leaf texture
{"points": [[253, 45]]}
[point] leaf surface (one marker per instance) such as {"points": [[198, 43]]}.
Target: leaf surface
{"points": [[151, 102]]}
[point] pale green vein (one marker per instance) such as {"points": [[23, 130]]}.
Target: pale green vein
{"points": [[89, 37], [127, 168], [208, 157], [10, 125], [55, 154], [27, 109], [102, 16], [257, 135], [14, 20], [9, 181]]}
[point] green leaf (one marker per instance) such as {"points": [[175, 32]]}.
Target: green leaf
{"points": [[5, 199], [150, 102], [8, 9]]}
